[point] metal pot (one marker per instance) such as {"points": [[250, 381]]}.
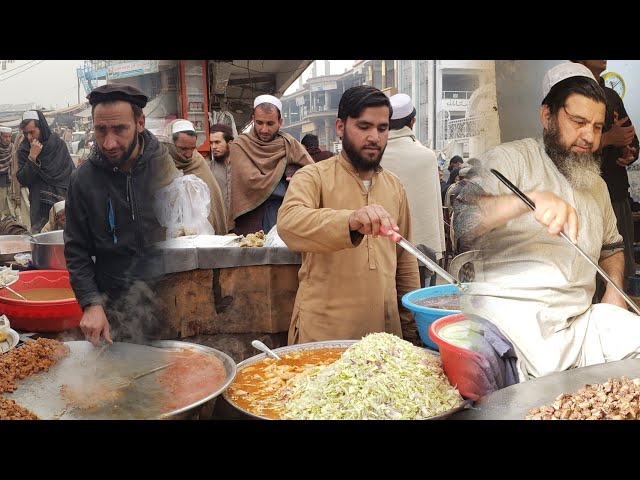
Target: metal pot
{"points": [[47, 251]]}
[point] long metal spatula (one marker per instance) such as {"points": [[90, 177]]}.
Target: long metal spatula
{"points": [[532, 206], [413, 250]]}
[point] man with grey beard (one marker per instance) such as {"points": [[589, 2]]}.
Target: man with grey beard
{"points": [[532, 284]]}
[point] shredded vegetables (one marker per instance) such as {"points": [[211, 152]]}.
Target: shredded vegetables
{"points": [[381, 377]]}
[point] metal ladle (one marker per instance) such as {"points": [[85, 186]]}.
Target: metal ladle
{"points": [[413, 250], [532, 206], [263, 348]]}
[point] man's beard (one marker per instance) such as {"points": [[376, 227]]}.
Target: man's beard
{"points": [[221, 158], [119, 162], [357, 160], [581, 170]]}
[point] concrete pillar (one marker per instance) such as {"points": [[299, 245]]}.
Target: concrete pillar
{"points": [[327, 99]]}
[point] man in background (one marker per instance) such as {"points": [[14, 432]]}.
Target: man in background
{"points": [[19, 204], [619, 150], [310, 142], [44, 165], [263, 161], [5, 164], [182, 148], [417, 168], [220, 136]]}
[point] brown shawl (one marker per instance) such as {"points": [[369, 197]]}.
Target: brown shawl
{"points": [[258, 167], [197, 165]]}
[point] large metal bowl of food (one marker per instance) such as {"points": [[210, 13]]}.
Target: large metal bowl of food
{"points": [[166, 380], [308, 382]]}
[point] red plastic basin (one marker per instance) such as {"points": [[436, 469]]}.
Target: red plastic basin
{"points": [[459, 364], [45, 315]]}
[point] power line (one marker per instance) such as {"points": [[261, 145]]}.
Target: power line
{"points": [[17, 68], [16, 74]]}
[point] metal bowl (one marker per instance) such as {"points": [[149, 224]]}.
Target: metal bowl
{"points": [[311, 346], [40, 392], [10, 245], [47, 252]]}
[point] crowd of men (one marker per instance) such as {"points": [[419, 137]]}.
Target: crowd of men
{"points": [[339, 209]]}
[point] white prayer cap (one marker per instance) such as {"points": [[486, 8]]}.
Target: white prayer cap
{"points": [[402, 106], [5, 130], [58, 206], [267, 99], [182, 126], [30, 115], [561, 72]]}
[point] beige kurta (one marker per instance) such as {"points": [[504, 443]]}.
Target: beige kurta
{"points": [[346, 291], [534, 286], [417, 168]]}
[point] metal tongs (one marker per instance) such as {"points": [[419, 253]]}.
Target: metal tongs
{"points": [[532, 206], [413, 250]]}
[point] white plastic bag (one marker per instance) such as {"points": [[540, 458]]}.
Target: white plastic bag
{"points": [[183, 207], [273, 239]]}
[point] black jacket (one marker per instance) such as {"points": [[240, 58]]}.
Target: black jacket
{"points": [[109, 215], [613, 174]]}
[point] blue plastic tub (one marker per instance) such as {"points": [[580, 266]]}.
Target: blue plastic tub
{"points": [[425, 316]]}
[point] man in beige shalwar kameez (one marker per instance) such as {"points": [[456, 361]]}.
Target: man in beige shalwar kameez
{"points": [[351, 279]]}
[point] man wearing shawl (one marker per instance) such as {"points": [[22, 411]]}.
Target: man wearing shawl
{"points": [[19, 204], [5, 163], [181, 144], [263, 161], [110, 216], [44, 165]]}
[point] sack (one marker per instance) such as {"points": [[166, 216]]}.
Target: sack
{"points": [[273, 239], [183, 207]]}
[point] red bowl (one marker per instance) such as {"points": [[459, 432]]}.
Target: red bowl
{"points": [[41, 315], [461, 366]]}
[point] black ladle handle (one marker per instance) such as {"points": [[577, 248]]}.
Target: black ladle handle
{"points": [[514, 189]]}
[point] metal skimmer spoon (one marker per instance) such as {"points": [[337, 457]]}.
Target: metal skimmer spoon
{"points": [[532, 206]]}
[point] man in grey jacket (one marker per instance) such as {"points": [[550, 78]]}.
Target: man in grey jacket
{"points": [[109, 216], [417, 168]]}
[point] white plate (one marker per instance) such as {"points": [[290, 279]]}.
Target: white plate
{"points": [[10, 342]]}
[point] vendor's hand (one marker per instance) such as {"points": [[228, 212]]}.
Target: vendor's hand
{"points": [[368, 220], [94, 322], [628, 156], [36, 148], [618, 135], [553, 212], [612, 297]]}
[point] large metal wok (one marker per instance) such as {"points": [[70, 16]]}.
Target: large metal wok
{"points": [[142, 399], [315, 345]]}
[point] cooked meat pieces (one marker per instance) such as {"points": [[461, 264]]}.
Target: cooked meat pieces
{"points": [[253, 239], [616, 399], [32, 357], [10, 410]]}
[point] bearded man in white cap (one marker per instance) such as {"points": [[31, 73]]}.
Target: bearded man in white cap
{"points": [[44, 165], [182, 148], [5, 164], [56, 218], [263, 161], [535, 287], [417, 168]]}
